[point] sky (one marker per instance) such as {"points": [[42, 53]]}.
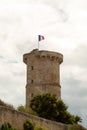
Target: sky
{"points": [[63, 23]]}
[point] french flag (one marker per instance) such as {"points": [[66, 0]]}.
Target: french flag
{"points": [[40, 37]]}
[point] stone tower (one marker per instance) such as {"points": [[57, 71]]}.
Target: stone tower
{"points": [[43, 73]]}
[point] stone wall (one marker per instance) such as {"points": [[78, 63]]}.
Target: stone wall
{"points": [[17, 119]]}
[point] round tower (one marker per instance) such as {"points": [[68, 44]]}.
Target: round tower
{"points": [[43, 73]]}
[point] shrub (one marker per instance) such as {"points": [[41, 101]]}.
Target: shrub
{"points": [[49, 107], [76, 127], [28, 125], [6, 126], [21, 108], [26, 110], [39, 128]]}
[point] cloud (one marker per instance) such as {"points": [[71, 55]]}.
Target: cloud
{"points": [[74, 80], [12, 83], [78, 57], [74, 93]]}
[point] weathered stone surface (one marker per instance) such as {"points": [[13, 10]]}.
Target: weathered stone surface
{"points": [[17, 119], [43, 73]]}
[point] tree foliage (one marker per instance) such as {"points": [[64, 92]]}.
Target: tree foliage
{"points": [[45, 106], [49, 107]]}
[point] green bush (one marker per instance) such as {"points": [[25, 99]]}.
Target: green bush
{"points": [[39, 128], [26, 110], [76, 127], [49, 107], [6, 126], [28, 125]]}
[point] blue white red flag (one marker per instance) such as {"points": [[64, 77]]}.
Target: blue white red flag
{"points": [[40, 37]]}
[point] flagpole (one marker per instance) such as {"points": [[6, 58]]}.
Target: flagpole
{"points": [[38, 42], [38, 45], [40, 37]]}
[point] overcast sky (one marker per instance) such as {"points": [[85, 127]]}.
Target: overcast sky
{"points": [[64, 26]]}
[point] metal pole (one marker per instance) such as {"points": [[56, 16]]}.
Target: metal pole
{"points": [[38, 44]]}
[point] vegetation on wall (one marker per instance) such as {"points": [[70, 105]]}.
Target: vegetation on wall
{"points": [[26, 110], [37, 127], [6, 126], [76, 127], [29, 125], [49, 107], [2, 103]]}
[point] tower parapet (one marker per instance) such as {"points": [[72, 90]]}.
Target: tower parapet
{"points": [[43, 73]]}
